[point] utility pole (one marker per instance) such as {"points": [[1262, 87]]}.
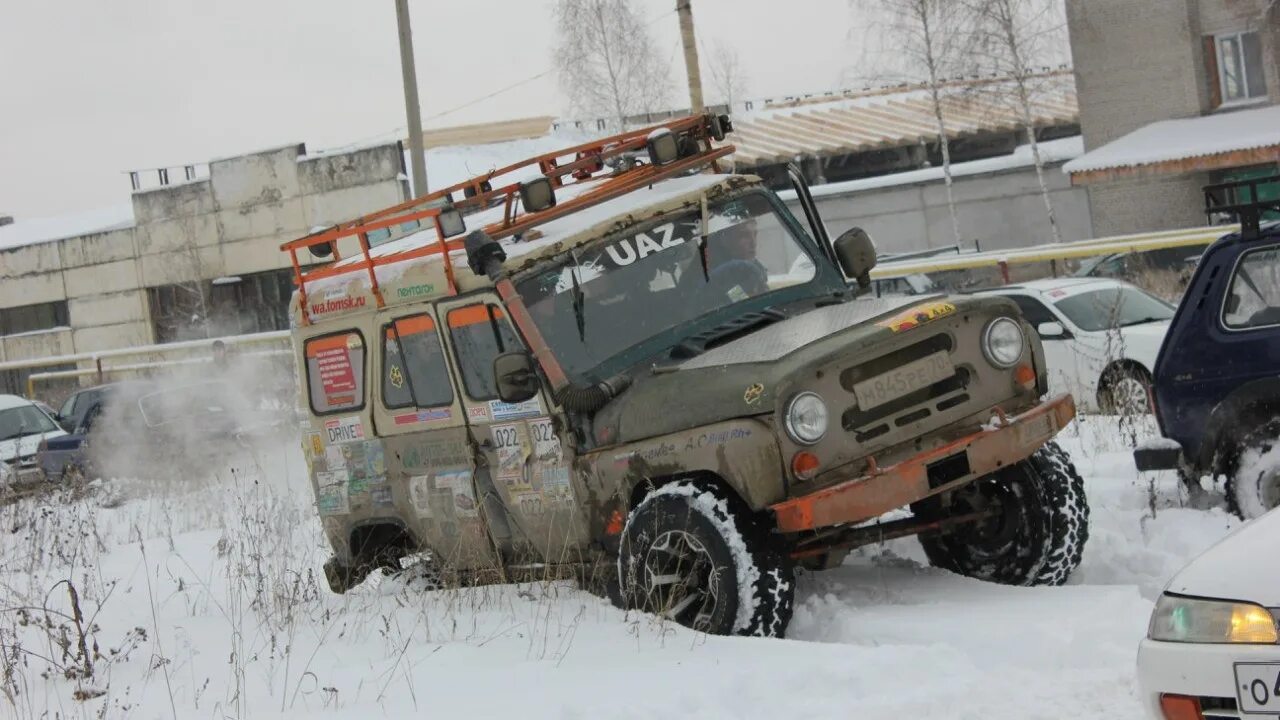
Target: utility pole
{"points": [[685, 9], [417, 156]]}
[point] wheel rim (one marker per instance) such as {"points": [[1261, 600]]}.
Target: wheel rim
{"points": [[680, 580], [1269, 488], [1129, 396], [991, 538]]}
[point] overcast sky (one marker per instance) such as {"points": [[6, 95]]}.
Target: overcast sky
{"points": [[91, 88]]}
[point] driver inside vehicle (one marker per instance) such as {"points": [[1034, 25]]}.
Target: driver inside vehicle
{"points": [[734, 269]]}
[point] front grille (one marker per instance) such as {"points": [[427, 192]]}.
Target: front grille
{"points": [[917, 406]]}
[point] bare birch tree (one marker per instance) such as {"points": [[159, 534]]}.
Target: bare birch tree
{"points": [[929, 40], [606, 61], [727, 75], [1017, 36]]}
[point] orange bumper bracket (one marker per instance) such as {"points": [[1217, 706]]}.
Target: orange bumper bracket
{"points": [[883, 489]]}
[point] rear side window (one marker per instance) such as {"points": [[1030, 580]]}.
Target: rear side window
{"points": [[1034, 310], [414, 372], [1253, 300], [335, 372], [479, 334]]}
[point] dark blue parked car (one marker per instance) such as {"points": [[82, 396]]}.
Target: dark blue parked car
{"points": [[1217, 378]]}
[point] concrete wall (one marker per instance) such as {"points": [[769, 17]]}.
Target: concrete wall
{"points": [[232, 222], [1002, 209], [1137, 62]]}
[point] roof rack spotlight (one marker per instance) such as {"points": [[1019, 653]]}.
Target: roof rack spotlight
{"points": [[662, 146], [322, 250], [450, 222], [537, 194]]}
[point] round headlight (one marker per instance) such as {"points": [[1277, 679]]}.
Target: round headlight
{"points": [[806, 419], [1002, 342]]}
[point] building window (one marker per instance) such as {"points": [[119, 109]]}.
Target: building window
{"points": [[238, 305], [33, 318], [1240, 74]]}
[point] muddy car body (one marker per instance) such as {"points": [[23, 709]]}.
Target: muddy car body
{"points": [[637, 380]]}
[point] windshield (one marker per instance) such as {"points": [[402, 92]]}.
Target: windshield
{"points": [[1113, 307], [24, 420], [640, 283]]}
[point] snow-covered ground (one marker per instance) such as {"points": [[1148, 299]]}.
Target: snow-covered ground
{"points": [[207, 601]]}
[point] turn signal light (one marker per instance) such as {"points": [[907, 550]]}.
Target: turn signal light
{"points": [[1180, 707], [1025, 376], [805, 465]]}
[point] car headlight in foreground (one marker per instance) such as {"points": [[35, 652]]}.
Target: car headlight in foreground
{"points": [[1182, 619], [806, 418], [1002, 342]]}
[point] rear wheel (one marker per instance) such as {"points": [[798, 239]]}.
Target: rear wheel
{"points": [[691, 554], [1253, 485], [1037, 529]]}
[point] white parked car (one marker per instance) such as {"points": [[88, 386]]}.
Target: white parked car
{"points": [[1100, 338], [23, 427], [1212, 649]]}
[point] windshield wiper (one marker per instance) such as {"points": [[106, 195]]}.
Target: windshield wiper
{"points": [[578, 302], [720, 334], [1144, 321]]}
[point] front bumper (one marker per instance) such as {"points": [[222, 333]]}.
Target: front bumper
{"points": [[956, 463], [1204, 672]]}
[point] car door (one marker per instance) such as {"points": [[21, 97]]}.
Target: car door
{"points": [[428, 458], [523, 450]]}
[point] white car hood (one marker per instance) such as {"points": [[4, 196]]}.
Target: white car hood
{"points": [[1237, 567], [22, 447]]}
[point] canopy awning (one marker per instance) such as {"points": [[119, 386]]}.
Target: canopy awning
{"points": [[1172, 147]]}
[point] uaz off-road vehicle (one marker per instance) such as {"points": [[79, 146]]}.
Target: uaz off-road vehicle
{"points": [[1217, 377], [611, 365]]}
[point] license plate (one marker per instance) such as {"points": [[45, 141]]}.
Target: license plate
{"points": [[1258, 687], [902, 381]]}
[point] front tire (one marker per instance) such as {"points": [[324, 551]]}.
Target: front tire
{"points": [[1038, 533], [692, 554], [1253, 485], [1125, 391]]}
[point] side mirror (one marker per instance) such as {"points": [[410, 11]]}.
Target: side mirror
{"points": [[857, 255], [1051, 330], [516, 379]]}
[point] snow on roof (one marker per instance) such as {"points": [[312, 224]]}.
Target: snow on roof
{"points": [[1051, 151], [1169, 140], [453, 164], [37, 230], [8, 402]]}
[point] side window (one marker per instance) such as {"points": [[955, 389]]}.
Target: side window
{"points": [[65, 410], [335, 372], [414, 373], [1253, 298], [1034, 310], [479, 334]]}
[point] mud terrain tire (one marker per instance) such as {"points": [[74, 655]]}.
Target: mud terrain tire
{"points": [[716, 569], [1039, 536], [1253, 488]]}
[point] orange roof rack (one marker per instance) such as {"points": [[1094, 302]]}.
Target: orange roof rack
{"points": [[573, 166]]}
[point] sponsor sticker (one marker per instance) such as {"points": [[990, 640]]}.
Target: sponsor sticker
{"points": [[420, 495], [508, 411], [381, 496], [422, 416], [334, 458], [343, 430], [331, 493], [917, 316], [479, 412], [464, 499], [753, 394]]}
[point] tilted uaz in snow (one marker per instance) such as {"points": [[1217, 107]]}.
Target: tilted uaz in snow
{"points": [[613, 365]]}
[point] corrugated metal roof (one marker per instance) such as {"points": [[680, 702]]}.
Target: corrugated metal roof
{"points": [[878, 119]]}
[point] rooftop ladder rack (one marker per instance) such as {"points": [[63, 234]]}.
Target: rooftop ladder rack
{"points": [[1240, 200], [634, 160]]}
